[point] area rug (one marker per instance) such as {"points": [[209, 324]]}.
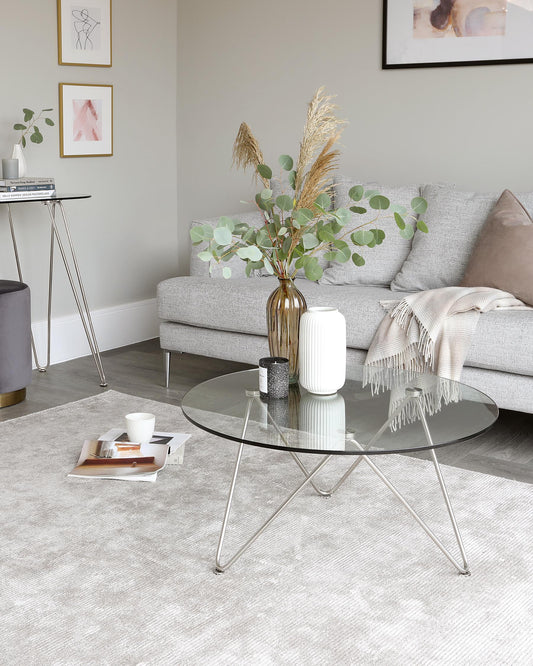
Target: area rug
{"points": [[114, 572]]}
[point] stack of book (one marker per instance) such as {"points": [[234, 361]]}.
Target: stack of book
{"points": [[13, 189]]}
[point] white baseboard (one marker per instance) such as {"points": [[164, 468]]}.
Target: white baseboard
{"points": [[114, 327]]}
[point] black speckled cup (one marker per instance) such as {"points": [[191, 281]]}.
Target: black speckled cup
{"points": [[274, 377]]}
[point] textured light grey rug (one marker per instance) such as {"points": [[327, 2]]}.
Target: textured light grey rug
{"points": [[110, 572]]}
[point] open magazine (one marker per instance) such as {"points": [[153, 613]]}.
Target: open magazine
{"points": [[173, 440], [113, 456]]}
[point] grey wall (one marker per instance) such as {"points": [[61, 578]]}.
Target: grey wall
{"points": [[261, 62], [232, 61], [126, 234]]}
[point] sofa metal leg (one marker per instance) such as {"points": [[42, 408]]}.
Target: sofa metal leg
{"points": [[166, 366]]}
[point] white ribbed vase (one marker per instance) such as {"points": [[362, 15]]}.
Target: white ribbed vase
{"points": [[322, 350]]}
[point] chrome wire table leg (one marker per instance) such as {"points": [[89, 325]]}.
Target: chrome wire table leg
{"points": [[80, 298], [294, 455], [415, 394], [462, 569], [219, 566], [39, 366], [443, 488], [375, 438]]}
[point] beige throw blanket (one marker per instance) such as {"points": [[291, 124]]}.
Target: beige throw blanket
{"points": [[429, 331], [432, 330]]}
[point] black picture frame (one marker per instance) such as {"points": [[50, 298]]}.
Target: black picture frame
{"points": [[520, 38]]}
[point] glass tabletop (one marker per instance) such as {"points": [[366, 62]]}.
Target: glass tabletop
{"points": [[55, 197], [378, 412]]}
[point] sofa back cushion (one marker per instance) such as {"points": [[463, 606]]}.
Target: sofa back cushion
{"points": [[438, 258], [455, 219], [502, 257], [382, 261]]}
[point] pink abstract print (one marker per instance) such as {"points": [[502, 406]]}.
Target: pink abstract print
{"points": [[87, 114]]}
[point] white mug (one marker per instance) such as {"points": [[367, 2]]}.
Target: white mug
{"points": [[140, 427]]}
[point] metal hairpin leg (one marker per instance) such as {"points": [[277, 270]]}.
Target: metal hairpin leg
{"points": [[358, 460], [76, 285], [78, 289], [40, 367], [219, 566], [414, 394]]}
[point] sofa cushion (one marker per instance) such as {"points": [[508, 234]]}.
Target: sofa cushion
{"points": [[240, 306], [382, 261], [439, 258], [502, 341], [502, 257]]}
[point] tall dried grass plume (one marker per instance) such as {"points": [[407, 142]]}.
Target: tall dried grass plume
{"points": [[321, 126], [317, 157], [318, 179], [246, 150]]}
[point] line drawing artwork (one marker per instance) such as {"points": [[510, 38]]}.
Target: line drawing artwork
{"points": [[85, 28]]}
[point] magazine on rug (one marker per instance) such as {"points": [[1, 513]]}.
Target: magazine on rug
{"points": [[173, 440], [113, 456]]}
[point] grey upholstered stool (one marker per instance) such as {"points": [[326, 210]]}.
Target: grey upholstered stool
{"points": [[15, 341]]}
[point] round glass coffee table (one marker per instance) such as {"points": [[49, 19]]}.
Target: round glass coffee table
{"points": [[378, 413]]}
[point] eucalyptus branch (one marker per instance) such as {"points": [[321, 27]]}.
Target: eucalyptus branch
{"points": [[304, 216], [30, 119]]}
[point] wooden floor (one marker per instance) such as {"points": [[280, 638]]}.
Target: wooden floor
{"points": [[506, 450]]}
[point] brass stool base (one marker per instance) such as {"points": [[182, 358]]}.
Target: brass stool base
{"points": [[11, 398]]}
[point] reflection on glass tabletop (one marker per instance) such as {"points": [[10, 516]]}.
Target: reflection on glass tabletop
{"points": [[377, 412]]}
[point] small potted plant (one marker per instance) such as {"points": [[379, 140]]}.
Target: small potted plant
{"points": [[29, 128]]}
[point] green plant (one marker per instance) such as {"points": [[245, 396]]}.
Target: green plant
{"points": [[29, 125], [299, 225]]}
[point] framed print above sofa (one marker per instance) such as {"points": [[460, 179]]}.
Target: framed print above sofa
{"points": [[437, 33]]}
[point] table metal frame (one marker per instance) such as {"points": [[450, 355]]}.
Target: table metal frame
{"points": [[70, 261], [413, 394]]}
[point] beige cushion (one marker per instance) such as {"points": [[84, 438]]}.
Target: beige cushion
{"points": [[502, 256]]}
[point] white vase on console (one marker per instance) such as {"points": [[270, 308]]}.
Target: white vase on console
{"points": [[19, 155], [322, 350]]}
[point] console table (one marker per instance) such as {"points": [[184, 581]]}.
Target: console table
{"points": [[63, 238]]}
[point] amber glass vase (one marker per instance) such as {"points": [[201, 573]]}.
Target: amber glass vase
{"points": [[285, 306]]}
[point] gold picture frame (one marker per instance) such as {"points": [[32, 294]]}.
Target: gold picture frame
{"points": [[85, 120], [84, 33]]}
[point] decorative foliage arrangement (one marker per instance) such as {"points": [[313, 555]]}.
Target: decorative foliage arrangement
{"points": [[30, 126], [299, 225]]}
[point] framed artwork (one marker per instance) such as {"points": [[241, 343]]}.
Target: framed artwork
{"points": [[84, 32], [85, 120], [438, 33]]}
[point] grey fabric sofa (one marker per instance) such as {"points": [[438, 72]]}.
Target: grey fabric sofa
{"points": [[209, 315]]}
